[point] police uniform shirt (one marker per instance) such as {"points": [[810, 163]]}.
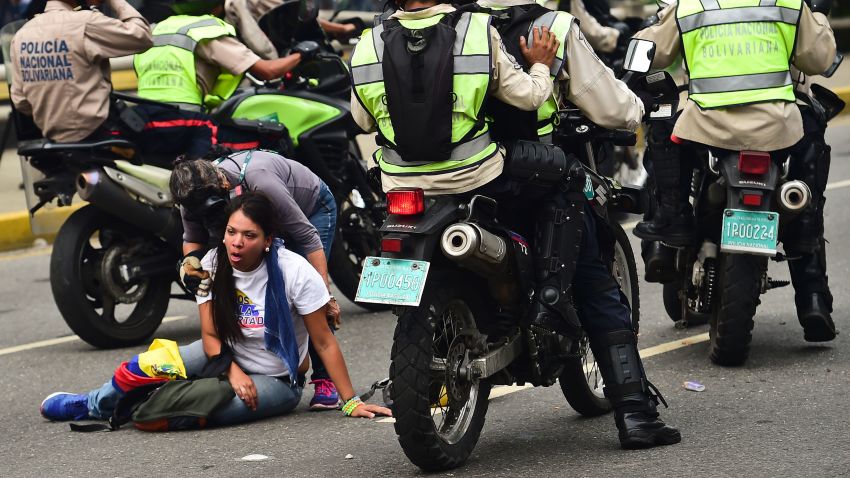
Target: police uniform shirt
{"points": [[587, 83], [60, 65], [601, 38], [762, 126], [510, 84], [221, 54], [244, 15]]}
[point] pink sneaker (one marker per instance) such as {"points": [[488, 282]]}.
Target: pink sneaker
{"points": [[326, 396]]}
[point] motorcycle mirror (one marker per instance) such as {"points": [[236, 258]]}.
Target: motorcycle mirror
{"points": [[639, 56], [835, 64], [307, 10]]}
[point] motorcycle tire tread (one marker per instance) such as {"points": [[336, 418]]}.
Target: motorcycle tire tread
{"points": [[732, 322]]}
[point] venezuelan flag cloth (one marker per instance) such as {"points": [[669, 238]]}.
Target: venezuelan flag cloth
{"points": [[161, 363]]}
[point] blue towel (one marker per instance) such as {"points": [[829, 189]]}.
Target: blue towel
{"points": [[279, 332]]}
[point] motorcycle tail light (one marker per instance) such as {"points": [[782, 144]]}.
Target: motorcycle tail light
{"points": [[391, 244], [752, 199], [754, 162], [406, 201]]}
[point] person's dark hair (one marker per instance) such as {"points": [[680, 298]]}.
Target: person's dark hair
{"points": [[258, 208], [191, 178]]}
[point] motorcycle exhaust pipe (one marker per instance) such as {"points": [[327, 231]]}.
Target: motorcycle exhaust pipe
{"points": [[794, 196], [474, 247], [97, 188]]}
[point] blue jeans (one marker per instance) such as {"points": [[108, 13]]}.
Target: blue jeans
{"points": [[323, 218], [599, 311], [274, 396]]}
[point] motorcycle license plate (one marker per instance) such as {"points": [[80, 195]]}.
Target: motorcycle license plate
{"points": [[753, 232], [392, 281]]}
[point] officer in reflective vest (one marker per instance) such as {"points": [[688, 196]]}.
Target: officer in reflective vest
{"points": [[742, 98], [581, 78], [195, 64]]}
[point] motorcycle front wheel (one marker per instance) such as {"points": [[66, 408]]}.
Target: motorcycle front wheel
{"points": [[439, 415], [89, 292]]}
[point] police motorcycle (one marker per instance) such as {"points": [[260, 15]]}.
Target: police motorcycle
{"points": [[461, 284], [310, 108], [112, 262], [743, 201]]}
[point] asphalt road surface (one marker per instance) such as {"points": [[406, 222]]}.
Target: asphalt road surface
{"points": [[785, 413]]}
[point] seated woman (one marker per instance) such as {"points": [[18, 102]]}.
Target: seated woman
{"points": [[266, 304]]}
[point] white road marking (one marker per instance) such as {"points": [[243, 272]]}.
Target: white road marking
{"points": [[838, 184], [502, 390], [62, 340]]}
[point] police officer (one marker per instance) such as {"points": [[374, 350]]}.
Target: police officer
{"points": [[760, 115], [582, 79], [60, 66], [245, 16], [306, 214], [195, 64]]}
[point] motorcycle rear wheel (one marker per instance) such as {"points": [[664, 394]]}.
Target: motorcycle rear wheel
{"points": [[731, 325], [581, 381], [439, 416], [86, 239]]}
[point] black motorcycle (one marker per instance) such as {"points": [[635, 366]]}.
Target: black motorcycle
{"points": [[462, 283]]}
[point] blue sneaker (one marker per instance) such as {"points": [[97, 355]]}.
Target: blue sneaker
{"points": [[326, 396], [64, 406]]}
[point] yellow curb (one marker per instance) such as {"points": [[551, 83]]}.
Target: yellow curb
{"points": [[844, 94], [15, 231]]}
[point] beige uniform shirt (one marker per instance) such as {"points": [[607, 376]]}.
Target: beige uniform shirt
{"points": [[763, 126], [509, 84], [223, 54], [587, 83], [60, 65], [601, 38], [244, 15]]}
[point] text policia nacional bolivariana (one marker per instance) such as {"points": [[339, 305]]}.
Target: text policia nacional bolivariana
{"points": [[750, 44], [45, 61]]}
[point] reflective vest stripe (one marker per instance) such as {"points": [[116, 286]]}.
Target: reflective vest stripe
{"points": [[738, 15], [461, 28], [740, 82], [175, 39], [767, 3], [365, 74], [203, 23], [710, 4], [472, 64], [461, 152], [378, 42], [463, 65]]}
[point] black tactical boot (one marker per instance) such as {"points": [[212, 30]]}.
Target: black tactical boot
{"points": [[812, 295], [673, 220], [634, 399]]}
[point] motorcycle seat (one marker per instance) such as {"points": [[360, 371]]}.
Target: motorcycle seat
{"points": [[44, 147]]}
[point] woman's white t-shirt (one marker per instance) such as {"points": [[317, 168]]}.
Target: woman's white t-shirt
{"points": [[305, 291]]}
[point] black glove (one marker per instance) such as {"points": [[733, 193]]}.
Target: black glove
{"points": [[193, 276], [820, 6], [308, 50], [648, 102]]}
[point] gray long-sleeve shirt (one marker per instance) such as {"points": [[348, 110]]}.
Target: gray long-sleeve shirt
{"points": [[292, 188]]}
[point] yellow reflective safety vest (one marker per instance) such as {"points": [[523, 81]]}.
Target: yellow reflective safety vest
{"points": [[166, 71], [470, 82], [559, 24], [738, 52]]}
